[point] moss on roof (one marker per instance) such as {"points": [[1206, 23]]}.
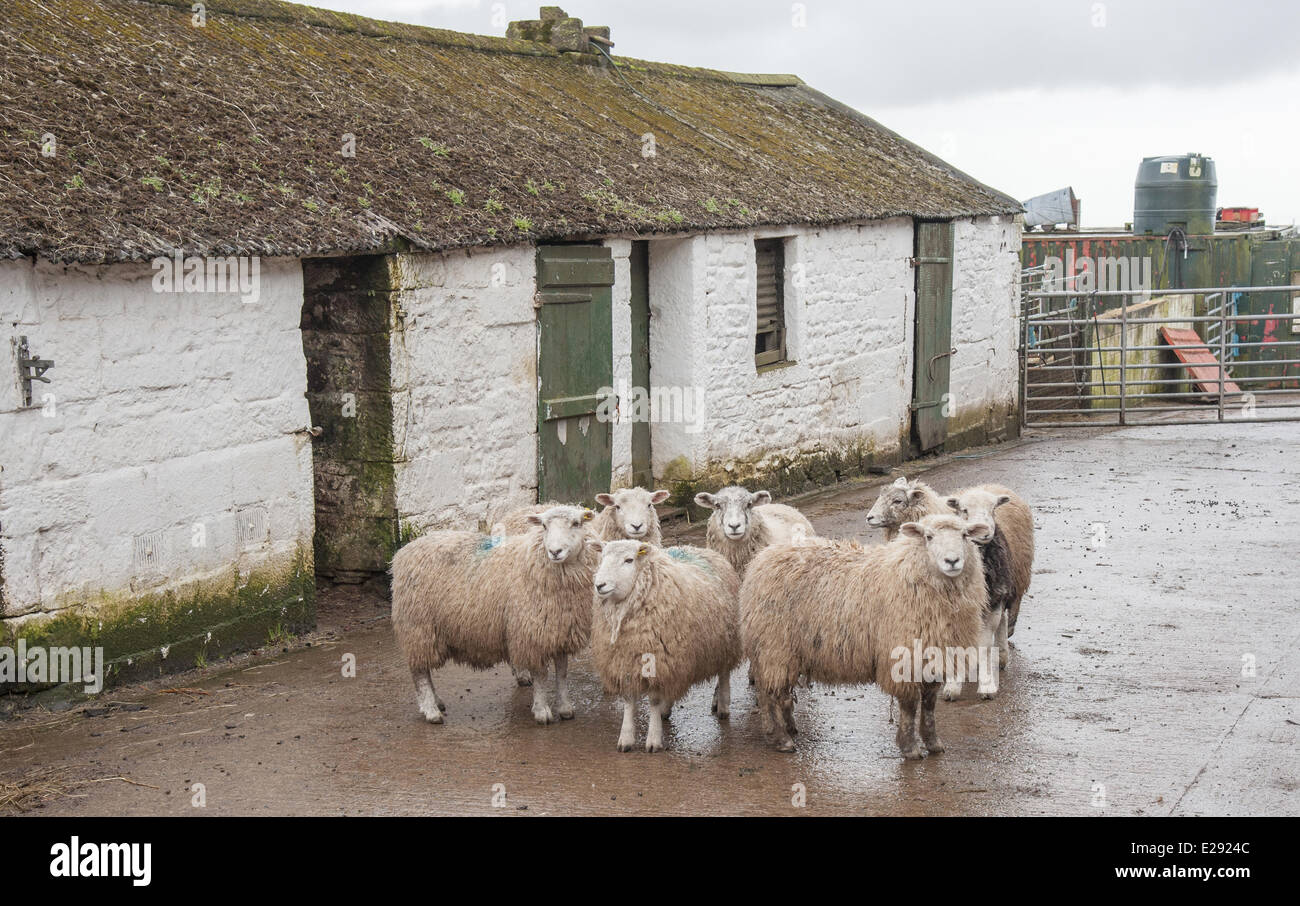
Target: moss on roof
{"points": [[230, 138]]}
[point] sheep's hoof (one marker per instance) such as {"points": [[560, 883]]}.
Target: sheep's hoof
{"points": [[935, 747], [785, 745], [722, 715], [653, 746], [913, 754], [987, 694], [951, 692], [1003, 659], [626, 745], [543, 716], [565, 712], [433, 718]]}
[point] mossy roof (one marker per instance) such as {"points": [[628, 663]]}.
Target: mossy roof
{"points": [[228, 138]]}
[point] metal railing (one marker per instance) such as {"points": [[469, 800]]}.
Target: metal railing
{"points": [[1084, 365]]}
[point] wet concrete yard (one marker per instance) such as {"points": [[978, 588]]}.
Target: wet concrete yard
{"points": [[1125, 693]]}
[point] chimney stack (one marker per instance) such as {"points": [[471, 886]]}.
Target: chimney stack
{"points": [[558, 29]]}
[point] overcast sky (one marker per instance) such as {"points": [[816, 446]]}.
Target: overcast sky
{"points": [[1025, 95]]}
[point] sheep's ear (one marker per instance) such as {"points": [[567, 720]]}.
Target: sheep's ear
{"points": [[534, 519], [978, 532], [706, 500], [605, 499], [758, 498], [642, 550], [659, 497], [1001, 500], [914, 529], [596, 546], [914, 494], [900, 482], [954, 504]]}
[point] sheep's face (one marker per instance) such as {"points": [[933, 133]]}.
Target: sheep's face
{"points": [[892, 505], [735, 509], [945, 540], [634, 509], [619, 562], [977, 506], [564, 531]]}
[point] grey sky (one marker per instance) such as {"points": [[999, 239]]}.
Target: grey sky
{"points": [[1025, 96]]}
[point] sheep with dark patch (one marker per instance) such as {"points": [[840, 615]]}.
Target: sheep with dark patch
{"points": [[842, 613], [1008, 566]]}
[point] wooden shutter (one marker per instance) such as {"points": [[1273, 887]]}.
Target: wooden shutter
{"points": [[769, 338]]}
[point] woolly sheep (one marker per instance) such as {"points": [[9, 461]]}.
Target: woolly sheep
{"points": [[1008, 564], [626, 513], [843, 613], [662, 621], [743, 523], [481, 601], [904, 501]]}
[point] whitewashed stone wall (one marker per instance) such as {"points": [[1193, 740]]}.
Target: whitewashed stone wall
{"points": [[464, 360], [985, 316], [850, 304], [166, 412]]}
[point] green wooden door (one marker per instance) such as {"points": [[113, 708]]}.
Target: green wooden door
{"points": [[574, 361], [930, 403]]}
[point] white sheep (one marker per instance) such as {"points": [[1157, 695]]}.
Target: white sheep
{"points": [[743, 523], [904, 501], [626, 513], [662, 621], [842, 613], [524, 600]]}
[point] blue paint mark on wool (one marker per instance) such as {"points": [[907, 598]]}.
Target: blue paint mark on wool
{"points": [[682, 555]]}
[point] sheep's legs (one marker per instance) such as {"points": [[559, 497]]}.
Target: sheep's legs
{"points": [[906, 736], [425, 696], [522, 677], [563, 706], [929, 732], [774, 707], [627, 735], [654, 737], [722, 697], [988, 654], [541, 707], [1004, 651]]}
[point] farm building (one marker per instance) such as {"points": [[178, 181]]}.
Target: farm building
{"points": [[284, 285]]}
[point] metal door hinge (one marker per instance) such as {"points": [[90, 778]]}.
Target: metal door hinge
{"points": [[30, 369]]}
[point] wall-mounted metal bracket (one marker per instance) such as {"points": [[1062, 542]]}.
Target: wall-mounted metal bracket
{"points": [[30, 369]]}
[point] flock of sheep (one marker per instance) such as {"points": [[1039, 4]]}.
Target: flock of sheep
{"points": [[552, 579]]}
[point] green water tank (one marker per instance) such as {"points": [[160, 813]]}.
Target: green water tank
{"points": [[1175, 191]]}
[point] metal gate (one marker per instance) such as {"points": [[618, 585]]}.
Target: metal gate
{"points": [[1134, 357]]}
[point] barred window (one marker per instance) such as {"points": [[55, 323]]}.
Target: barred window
{"points": [[769, 338]]}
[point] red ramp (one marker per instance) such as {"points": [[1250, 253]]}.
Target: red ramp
{"points": [[1203, 367]]}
